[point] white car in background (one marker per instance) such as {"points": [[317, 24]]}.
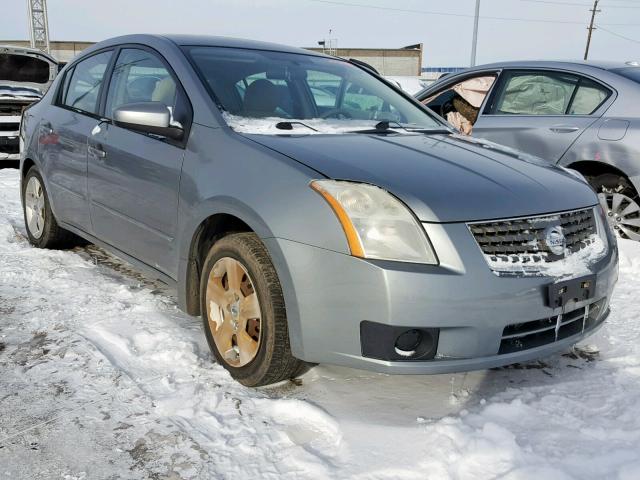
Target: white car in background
{"points": [[25, 76], [411, 85]]}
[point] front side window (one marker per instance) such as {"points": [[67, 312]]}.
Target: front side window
{"points": [[460, 103], [85, 81], [256, 88], [140, 76]]}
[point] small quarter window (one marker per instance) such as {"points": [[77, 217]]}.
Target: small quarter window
{"points": [[85, 82], [589, 97]]}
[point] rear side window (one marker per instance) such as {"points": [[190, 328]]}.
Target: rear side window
{"points": [[535, 94], [140, 76], [84, 83], [548, 93]]}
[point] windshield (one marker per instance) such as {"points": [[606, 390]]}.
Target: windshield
{"points": [[283, 93], [22, 68], [632, 73]]}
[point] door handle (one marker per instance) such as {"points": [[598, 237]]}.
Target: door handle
{"points": [[48, 130], [564, 128], [97, 151]]}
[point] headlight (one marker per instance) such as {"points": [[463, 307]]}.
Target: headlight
{"points": [[377, 224]]}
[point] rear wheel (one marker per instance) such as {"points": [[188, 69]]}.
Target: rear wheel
{"points": [[621, 204], [244, 313], [42, 228]]}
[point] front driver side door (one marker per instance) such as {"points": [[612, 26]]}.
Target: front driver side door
{"points": [[541, 112], [134, 177]]}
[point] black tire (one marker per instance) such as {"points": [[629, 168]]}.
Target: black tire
{"points": [[53, 236], [273, 361]]}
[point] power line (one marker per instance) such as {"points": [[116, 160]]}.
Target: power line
{"points": [[617, 34], [553, 2], [460, 15]]}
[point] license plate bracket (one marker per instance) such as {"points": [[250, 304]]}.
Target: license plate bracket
{"points": [[577, 289]]}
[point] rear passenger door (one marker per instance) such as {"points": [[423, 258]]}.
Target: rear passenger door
{"points": [[64, 134], [541, 112], [134, 177]]}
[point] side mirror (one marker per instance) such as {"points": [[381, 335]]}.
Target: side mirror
{"points": [[147, 117]]}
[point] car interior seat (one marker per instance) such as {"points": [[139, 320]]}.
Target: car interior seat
{"points": [[261, 99]]}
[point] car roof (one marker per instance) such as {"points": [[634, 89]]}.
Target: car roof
{"points": [[578, 65], [205, 40]]}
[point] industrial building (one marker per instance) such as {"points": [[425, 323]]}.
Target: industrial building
{"points": [[406, 61], [62, 51]]}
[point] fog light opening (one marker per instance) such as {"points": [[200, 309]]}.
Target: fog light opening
{"points": [[408, 342]]}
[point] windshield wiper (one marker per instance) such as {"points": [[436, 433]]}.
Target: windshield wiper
{"points": [[384, 128], [380, 127], [289, 126]]}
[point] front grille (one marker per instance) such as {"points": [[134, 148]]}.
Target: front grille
{"points": [[521, 243], [13, 109], [10, 148], [9, 127], [523, 336]]}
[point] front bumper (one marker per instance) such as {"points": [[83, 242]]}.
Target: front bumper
{"points": [[328, 296]]}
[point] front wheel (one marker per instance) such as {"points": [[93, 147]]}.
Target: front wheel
{"points": [[621, 204], [244, 314]]}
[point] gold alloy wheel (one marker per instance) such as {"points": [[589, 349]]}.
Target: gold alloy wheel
{"points": [[233, 312]]}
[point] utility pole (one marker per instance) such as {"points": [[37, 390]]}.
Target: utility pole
{"points": [[591, 28], [474, 42], [39, 24]]}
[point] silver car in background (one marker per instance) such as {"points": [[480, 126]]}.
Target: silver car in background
{"points": [[576, 114], [25, 76]]}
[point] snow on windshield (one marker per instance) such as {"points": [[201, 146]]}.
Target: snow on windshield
{"points": [[267, 126]]}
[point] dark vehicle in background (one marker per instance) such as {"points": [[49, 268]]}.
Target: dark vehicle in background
{"points": [[581, 115], [25, 76]]}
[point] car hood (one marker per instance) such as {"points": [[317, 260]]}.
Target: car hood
{"points": [[442, 178]]}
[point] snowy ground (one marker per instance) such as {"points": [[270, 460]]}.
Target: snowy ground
{"points": [[101, 376]]}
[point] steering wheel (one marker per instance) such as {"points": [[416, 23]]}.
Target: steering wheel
{"points": [[337, 113], [446, 107]]}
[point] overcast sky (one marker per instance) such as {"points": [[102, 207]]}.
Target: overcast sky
{"points": [[362, 23]]}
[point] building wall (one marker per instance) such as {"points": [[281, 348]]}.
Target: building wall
{"points": [[61, 51], [393, 62]]}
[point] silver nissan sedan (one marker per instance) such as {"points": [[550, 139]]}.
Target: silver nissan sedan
{"points": [[311, 212]]}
